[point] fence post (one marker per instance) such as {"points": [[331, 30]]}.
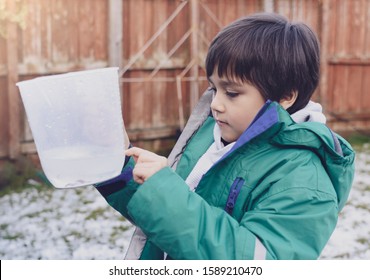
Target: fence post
{"points": [[13, 95], [194, 53], [325, 7], [115, 38], [268, 6], [115, 33]]}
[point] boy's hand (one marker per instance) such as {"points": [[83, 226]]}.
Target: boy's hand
{"points": [[147, 163]]}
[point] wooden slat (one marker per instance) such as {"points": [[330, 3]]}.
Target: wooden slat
{"points": [[4, 141], [101, 29], [4, 117], [333, 32], [154, 133], [175, 31], [115, 28], [194, 50], [356, 27], [350, 116], [13, 94], [2, 53], [28, 148], [342, 41], [366, 47], [353, 94], [324, 49], [137, 100], [365, 90], [349, 61], [30, 44], [343, 94], [148, 104]]}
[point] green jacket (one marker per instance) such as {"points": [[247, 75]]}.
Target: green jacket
{"points": [[275, 195]]}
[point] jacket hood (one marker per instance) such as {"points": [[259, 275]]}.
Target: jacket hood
{"points": [[312, 112], [336, 154]]}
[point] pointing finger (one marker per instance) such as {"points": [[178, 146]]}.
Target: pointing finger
{"points": [[134, 151]]}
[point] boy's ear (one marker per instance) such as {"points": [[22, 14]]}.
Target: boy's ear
{"points": [[288, 101]]}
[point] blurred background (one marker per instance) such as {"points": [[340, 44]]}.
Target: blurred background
{"points": [[160, 47]]}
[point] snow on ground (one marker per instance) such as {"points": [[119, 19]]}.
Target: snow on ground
{"points": [[61, 224], [79, 224], [351, 238]]}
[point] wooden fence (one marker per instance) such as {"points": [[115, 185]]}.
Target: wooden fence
{"points": [[160, 46]]}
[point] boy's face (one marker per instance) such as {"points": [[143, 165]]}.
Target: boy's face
{"points": [[234, 106]]}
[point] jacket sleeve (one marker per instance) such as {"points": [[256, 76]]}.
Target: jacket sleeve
{"points": [[185, 226], [119, 190]]}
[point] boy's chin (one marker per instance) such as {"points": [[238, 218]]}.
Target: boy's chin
{"points": [[225, 142]]}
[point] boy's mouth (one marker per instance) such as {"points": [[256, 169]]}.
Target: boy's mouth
{"points": [[221, 123]]}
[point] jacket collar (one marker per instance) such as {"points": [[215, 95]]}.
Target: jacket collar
{"points": [[266, 118]]}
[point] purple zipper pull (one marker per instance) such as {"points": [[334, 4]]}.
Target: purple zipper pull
{"points": [[233, 194]]}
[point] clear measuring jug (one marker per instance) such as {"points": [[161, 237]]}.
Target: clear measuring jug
{"points": [[77, 125]]}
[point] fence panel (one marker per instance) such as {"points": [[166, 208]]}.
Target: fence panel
{"points": [[164, 44], [59, 36], [173, 45], [347, 97], [151, 32], [63, 35]]}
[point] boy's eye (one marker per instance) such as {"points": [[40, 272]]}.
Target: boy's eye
{"points": [[232, 94]]}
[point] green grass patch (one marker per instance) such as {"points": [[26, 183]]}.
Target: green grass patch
{"points": [[121, 228], [363, 240], [117, 232], [96, 213], [15, 176], [13, 236], [363, 206], [359, 141], [3, 226]]}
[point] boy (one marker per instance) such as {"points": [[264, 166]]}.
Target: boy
{"points": [[259, 177]]}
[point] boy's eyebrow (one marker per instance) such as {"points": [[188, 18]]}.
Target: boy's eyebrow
{"points": [[226, 83]]}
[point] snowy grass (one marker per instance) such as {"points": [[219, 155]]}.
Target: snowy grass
{"points": [[61, 224], [47, 223], [351, 239]]}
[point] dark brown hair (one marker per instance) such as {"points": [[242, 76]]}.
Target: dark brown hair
{"points": [[274, 55]]}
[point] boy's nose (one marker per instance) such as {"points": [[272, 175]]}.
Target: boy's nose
{"points": [[216, 104]]}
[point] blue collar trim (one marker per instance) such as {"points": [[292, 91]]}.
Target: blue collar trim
{"points": [[265, 118]]}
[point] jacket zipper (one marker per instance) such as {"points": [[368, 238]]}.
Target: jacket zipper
{"points": [[233, 194]]}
